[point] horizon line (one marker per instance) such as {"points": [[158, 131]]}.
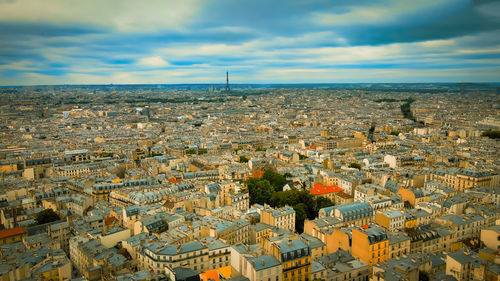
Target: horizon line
{"points": [[263, 84]]}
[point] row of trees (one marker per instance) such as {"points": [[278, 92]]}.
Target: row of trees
{"points": [[269, 190], [406, 109], [192, 151], [491, 134]]}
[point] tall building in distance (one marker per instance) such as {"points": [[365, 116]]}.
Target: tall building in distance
{"points": [[227, 82]]}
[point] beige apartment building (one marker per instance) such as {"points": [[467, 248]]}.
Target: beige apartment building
{"points": [[264, 268], [158, 255], [491, 237], [283, 217]]}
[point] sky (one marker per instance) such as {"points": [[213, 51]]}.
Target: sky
{"points": [[47, 42]]}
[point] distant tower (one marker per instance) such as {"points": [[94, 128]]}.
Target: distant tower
{"points": [[227, 81]]}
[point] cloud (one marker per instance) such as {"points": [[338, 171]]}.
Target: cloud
{"points": [[436, 43], [376, 13], [66, 41], [24, 65], [153, 62], [122, 15]]}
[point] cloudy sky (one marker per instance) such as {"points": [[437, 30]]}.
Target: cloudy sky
{"points": [[257, 41]]}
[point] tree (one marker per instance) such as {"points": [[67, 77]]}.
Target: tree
{"points": [[106, 154], [119, 172], [323, 202], [275, 179], [423, 276], [260, 191], [406, 109], [300, 216], [244, 159], [46, 216], [355, 165], [491, 134], [305, 205]]}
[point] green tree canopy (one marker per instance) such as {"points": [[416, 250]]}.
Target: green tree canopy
{"points": [[300, 216], [323, 202], [491, 134], [355, 165], [294, 197], [259, 190], [423, 276], [244, 159], [306, 206], [275, 179]]}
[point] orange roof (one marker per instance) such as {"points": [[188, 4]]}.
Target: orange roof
{"points": [[212, 274], [225, 271], [257, 174], [215, 274], [174, 180], [11, 232], [109, 220], [319, 189]]}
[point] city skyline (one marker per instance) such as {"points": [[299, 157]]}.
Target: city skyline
{"points": [[171, 42]]}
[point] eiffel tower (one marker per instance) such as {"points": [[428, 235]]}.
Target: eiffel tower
{"points": [[227, 82]]}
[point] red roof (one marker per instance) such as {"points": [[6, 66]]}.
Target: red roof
{"points": [[11, 232], [319, 189]]}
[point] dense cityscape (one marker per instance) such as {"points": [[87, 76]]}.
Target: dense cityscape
{"points": [[250, 182], [223, 140]]}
